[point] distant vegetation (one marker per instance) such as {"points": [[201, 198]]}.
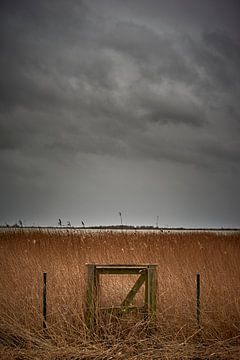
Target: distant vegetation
{"points": [[115, 227]]}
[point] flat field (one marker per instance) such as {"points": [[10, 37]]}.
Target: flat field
{"points": [[26, 254]]}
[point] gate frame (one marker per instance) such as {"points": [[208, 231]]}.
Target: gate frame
{"points": [[148, 276]]}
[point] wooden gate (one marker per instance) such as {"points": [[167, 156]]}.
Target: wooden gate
{"points": [[147, 276]]}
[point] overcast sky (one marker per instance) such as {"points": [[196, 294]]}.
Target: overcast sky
{"points": [[120, 105]]}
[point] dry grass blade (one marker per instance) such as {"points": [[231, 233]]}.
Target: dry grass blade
{"points": [[25, 255]]}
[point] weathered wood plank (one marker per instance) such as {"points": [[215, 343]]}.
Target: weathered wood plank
{"points": [[152, 292], [98, 266], [119, 271], [118, 310], [90, 297], [130, 296]]}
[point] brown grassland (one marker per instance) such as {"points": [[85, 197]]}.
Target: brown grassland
{"points": [[25, 255]]}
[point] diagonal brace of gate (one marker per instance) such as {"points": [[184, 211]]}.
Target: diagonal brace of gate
{"points": [[130, 296]]}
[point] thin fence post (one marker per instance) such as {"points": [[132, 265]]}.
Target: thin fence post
{"points": [[44, 301], [198, 300]]}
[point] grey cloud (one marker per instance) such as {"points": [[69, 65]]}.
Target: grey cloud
{"points": [[97, 97], [154, 53], [230, 153], [224, 58], [171, 104], [217, 56], [224, 45], [117, 102]]}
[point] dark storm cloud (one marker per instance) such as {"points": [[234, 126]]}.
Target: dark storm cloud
{"points": [[131, 80], [59, 69], [219, 56], [224, 45]]}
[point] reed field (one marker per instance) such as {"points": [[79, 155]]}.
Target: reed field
{"points": [[63, 254]]}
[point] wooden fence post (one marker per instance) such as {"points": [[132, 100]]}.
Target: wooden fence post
{"points": [[198, 300], [44, 301]]}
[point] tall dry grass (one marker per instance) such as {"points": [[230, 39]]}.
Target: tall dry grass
{"points": [[25, 255]]}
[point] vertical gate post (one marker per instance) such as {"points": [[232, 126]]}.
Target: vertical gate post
{"points": [[152, 292], [91, 296]]}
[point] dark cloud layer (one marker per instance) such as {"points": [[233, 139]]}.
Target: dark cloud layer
{"points": [[89, 88]]}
